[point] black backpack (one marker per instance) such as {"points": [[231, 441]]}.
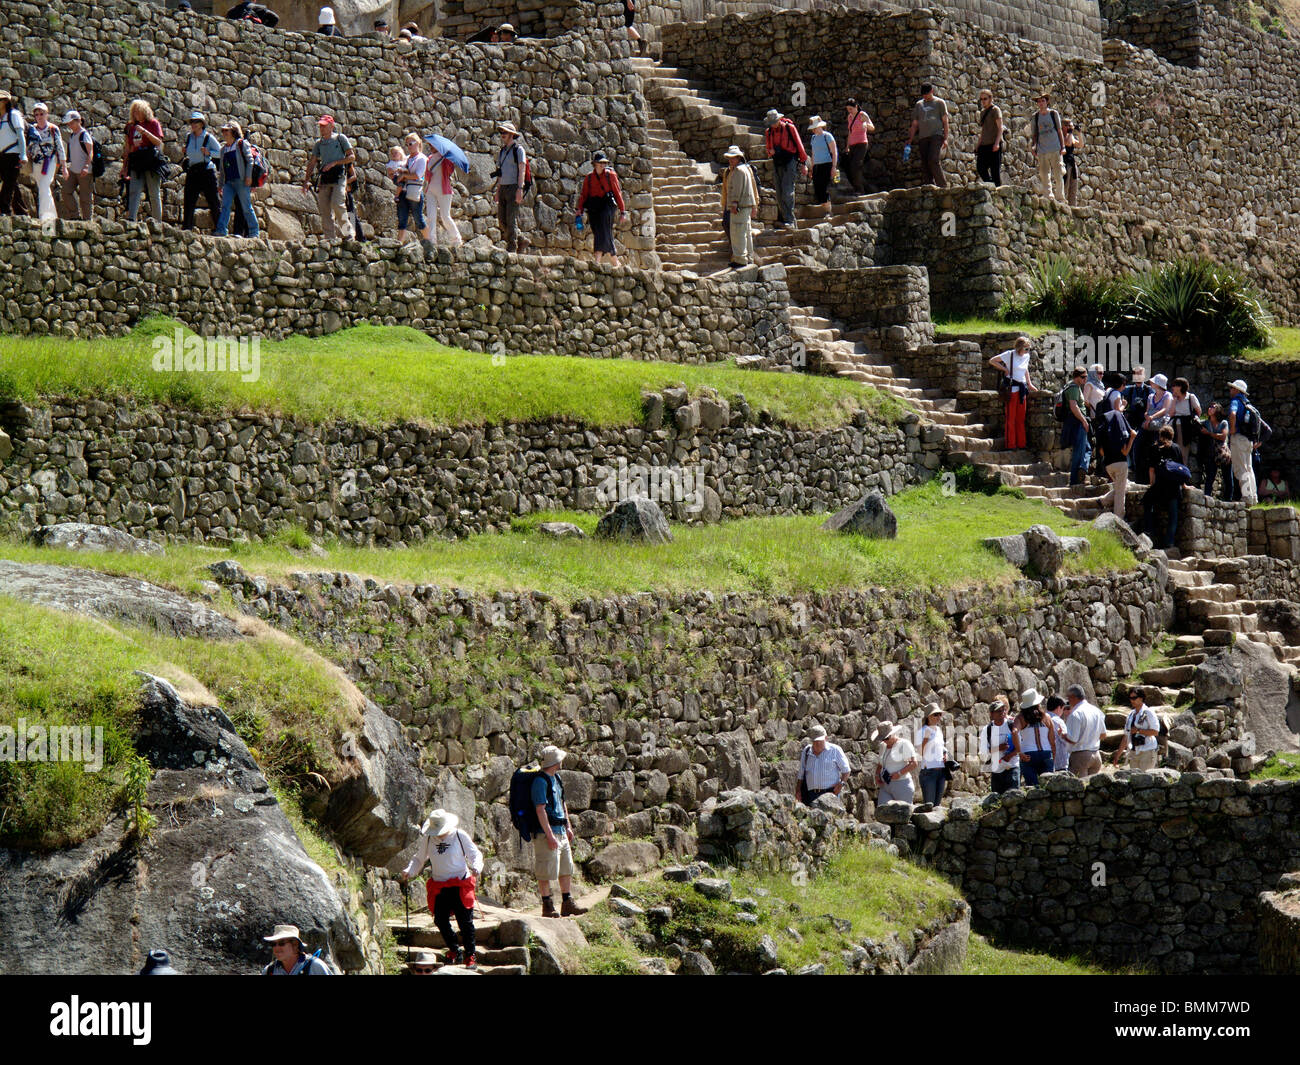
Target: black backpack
{"points": [[1253, 427], [1059, 405], [98, 162], [523, 811]]}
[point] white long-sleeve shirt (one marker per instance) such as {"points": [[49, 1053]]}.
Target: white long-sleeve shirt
{"points": [[450, 858]]}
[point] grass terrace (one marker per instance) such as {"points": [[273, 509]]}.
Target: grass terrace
{"points": [[938, 546], [386, 375]]}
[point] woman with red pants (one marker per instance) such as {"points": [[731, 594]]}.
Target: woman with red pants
{"points": [[1013, 364]]}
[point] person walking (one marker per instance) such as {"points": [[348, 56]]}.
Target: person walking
{"points": [[629, 21], [930, 131], [412, 179], [512, 166], [333, 154], [1073, 141], [1084, 727], [1166, 487], [13, 153], [1141, 733], [1160, 413], [894, 774], [1037, 738], [143, 159], [934, 756], [988, 145], [786, 150], [454, 864], [1049, 151], [438, 176], [76, 198], [1000, 747], [823, 768], [288, 956], [46, 154], [553, 845], [1117, 438], [739, 201], [602, 198], [236, 179], [202, 153], [1016, 386], [859, 126], [1076, 430], [1243, 428], [825, 160]]}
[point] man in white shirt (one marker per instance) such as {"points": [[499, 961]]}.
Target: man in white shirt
{"points": [[1000, 748], [454, 862], [823, 767], [1084, 725], [1141, 733]]}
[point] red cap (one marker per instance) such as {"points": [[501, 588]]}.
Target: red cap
{"points": [[325, 120]]}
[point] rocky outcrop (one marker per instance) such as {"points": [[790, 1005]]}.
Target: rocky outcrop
{"points": [[79, 536], [869, 516], [220, 868], [638, 520]]}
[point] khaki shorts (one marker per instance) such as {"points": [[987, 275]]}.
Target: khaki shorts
{"points": [[1142, 759], [552, 864], [1085, 763]]}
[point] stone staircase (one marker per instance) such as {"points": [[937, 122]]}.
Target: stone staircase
{"points": [[1208, 599], [501, 941], [688, 212]]}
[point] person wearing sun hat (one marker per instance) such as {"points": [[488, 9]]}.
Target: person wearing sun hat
{"points": [[327, 24], [825, 158], [1037, 738], [739, 202], [934, 756], [789, 158], [333, 153], [289, 957], [1049, 148], [511, 173], [894, 773], [423, 963], [1240, 444], [76, 195], [202, 152], [454, 864], [553, 844], [1000, 747], [823, 768]]}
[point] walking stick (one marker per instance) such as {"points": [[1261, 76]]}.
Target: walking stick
{"points": [[406, 905]]}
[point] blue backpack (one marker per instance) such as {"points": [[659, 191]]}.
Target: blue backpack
{"points": [[523, 811]]}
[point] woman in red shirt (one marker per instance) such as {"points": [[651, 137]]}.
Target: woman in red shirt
{"points": [[141, 158], [600, 195]]}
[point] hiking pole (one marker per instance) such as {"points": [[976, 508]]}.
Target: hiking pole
{"points": [[406, 905]]}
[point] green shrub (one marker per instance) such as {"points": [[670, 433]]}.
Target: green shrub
{"points": [[1197, 303]]}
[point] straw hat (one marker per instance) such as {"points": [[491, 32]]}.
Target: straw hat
{"points": [[732, 152], [282, 932], [1030, 698], [507, 127], [1239, 385], [816, 122], [440, 822], [551, 755]]}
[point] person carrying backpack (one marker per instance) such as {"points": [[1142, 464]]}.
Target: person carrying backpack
{"points": [[1116, 438], [601, 197], [45, 152], [511, 174], [1049, 149], [202, 153], [289, 957], [1168, 476], [13, 153], [789, 158], [76, 198], [454, 864], [1243, 433], [236, 178], [143, 160], [553, 843]]}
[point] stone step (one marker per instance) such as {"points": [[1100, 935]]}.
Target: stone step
{"points": [[1238, 623], [1170, 676], [1205, 592]]}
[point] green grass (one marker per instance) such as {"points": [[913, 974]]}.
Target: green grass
{"points": [[1282, 766], [938, 546], [984, 959], [382, 375], [58, 668], [1285, 347], [968, 325]]}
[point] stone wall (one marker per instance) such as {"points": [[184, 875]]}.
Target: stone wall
{"points": [[664, 701], [885, 306], [1173, 31], [1275, 532], [97, 57], [1261, 577], [159, 472], [1182, 863], [91, 280], [1208, 527]]}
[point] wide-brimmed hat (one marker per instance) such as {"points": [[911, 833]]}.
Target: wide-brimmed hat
{"points": [[326, 17], [505, 27], [507, 127], [440, 822], [282, 932], [424, 957], [1043, 94], [816, 122], [772, 117], [71, 116], [896, 732], [931, 709], [1239, 385], [551, 755], [816, 733], [1030, 698], [1160, 381], [732, 152]]}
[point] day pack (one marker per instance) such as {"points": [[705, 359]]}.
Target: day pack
{"points": [[523, 811], [258, 169], [1253, 427], [1174, 472], [1059, 405], [98, 161]]}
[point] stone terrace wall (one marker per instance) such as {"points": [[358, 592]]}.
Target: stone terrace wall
{"points": [[889, 305], [675, 698], [94, 279], [97, 57], [159, 472], [1173, 31], [1184, 146], [1184, 859]]}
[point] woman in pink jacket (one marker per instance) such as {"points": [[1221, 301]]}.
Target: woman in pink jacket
{"points": [[437, 177]]}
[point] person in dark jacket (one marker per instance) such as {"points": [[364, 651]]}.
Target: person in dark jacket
{"points": [[250, 12], [236, 179], [202, 152], [600, 196], [327, 24], [1165, 488]]}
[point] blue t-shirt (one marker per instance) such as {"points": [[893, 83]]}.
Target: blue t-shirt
{"points": [[821, 147], [1238, 407], [194, 149], [550, 797]]}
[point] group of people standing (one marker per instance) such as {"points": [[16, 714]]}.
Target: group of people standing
{"points": [[1047, 735]]}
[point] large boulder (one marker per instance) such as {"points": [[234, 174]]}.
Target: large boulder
{"points": [[869, 516], [629, 858], [1044, 550], [79, 536], [635, 519], [221, 867], [1218, 679], [735, 763], [1011, 548], [1067, 671], [1269, 701], [1108, 522], [113, 598]]}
